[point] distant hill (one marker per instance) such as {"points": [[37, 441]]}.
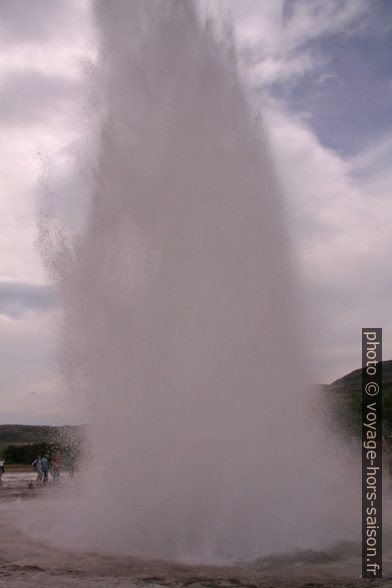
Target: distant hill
{"points": [[21, 434], [352, 382], [346, 397]]}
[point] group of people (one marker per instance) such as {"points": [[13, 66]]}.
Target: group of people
{"points": [[45, 465]]}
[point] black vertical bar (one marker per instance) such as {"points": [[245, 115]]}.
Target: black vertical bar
{"points": [[372, 445]]}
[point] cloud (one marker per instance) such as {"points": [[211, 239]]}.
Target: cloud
{"points": [[270, 69], [279, 35], [373, 166], [33, 98], [41, 45], [41, 101], [35, 21], [18, 298], [339, 221]]}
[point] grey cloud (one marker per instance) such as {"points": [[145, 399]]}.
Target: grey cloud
{"points": [[17, 298], [336, 311], [29, 21], [28, 98]]}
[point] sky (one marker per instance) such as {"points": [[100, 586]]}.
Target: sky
{"points": [[320, 73]]}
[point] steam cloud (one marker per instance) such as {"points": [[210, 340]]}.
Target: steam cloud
{"points": [[181, 327]]}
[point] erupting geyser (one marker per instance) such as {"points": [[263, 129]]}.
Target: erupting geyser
{"points": [[181, 323]]}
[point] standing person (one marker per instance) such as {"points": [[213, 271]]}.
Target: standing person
{"points": [[55, 462], [37, 465], [2, 468], [45, 468]]}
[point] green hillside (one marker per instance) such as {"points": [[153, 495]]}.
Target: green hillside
{"points": [[10, 434]]}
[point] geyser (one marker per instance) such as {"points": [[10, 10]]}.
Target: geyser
{"points": [[181, 323]]}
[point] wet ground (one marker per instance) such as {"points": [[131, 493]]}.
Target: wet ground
{"points": [[25, 561]]}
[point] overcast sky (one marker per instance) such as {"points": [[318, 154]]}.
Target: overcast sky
{"points": [[320, 71]]}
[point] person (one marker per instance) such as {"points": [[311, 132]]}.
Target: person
{"points": [[37, 465], [45, 469], [55, 468], [2, 468]]}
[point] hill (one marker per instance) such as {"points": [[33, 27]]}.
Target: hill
{"points": [[352, 382], [23, 434], [345, 395]]}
